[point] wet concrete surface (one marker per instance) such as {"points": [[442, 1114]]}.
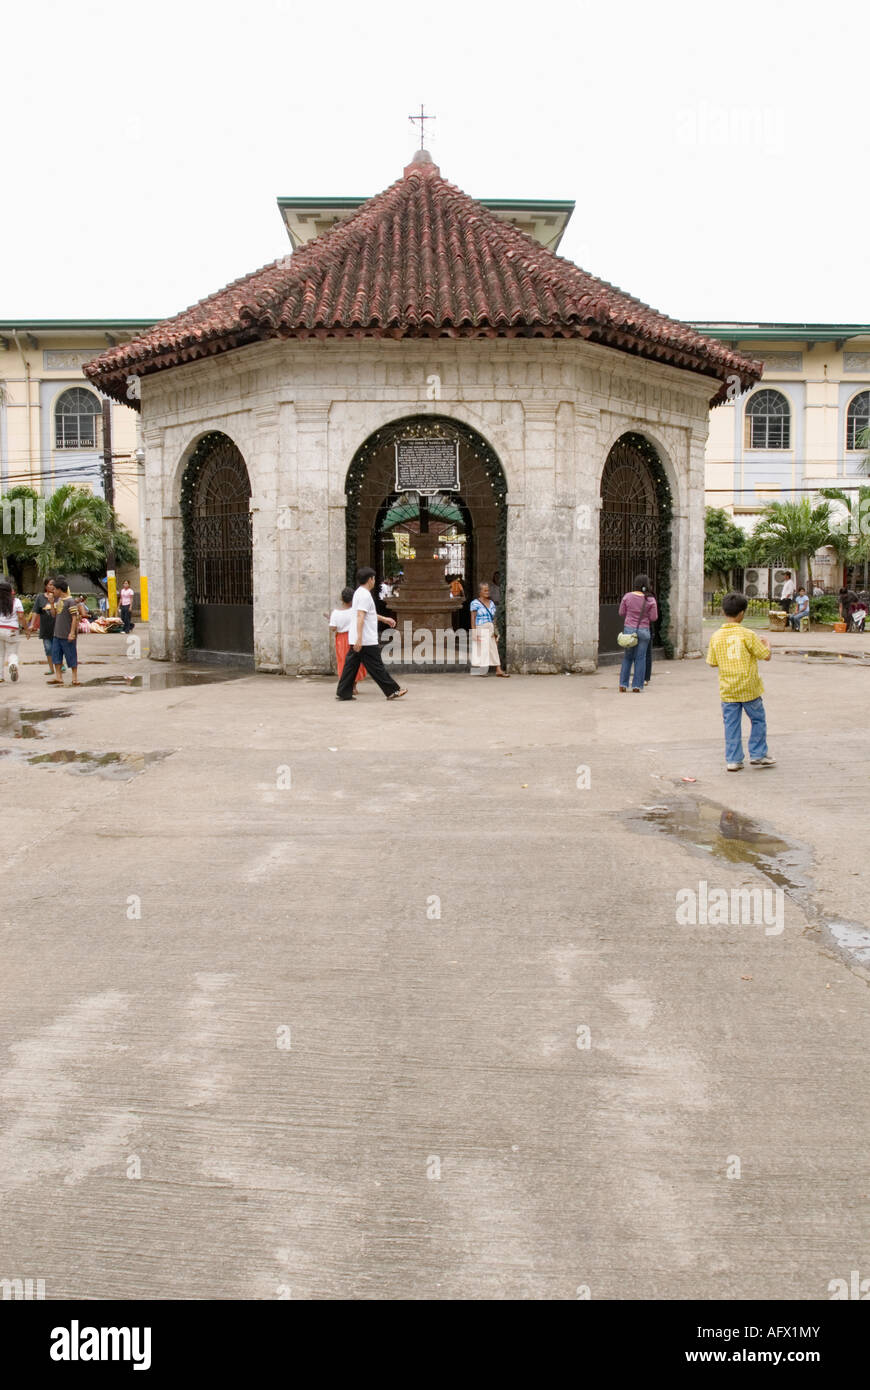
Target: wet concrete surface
{"points": [[168, 678], [25, 723], [116, 767], [302, 1007], [825, 654], [730, 836], [727, 835]]}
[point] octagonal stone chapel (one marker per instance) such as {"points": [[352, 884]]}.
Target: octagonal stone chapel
{"points": [[421, 328]]}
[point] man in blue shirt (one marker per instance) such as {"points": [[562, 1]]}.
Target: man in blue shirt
{"points": [[801, 608]]}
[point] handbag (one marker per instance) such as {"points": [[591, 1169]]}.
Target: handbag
{"points": [[629, 639]]}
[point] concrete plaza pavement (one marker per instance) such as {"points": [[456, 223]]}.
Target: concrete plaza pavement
{"points": [[391, 1001]]}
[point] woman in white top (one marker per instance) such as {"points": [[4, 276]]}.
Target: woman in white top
{"points": [[11, 623], [484, 648], [339, 623]]}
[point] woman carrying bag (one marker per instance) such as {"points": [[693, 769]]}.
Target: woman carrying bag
{"points": [[639, 610]]}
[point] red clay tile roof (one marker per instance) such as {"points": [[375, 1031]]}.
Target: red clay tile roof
{"points": [[420, 260]]}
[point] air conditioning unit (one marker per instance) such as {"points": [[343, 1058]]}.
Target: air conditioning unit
{"points": [[756, 583], [777, 581]]}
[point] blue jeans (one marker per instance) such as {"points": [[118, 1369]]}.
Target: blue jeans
{"points": [[636, 657], [732, 714], [62, 648]]}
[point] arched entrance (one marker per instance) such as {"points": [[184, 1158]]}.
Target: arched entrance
{"points": [[634, 535], [218, 552], [465, 527]]}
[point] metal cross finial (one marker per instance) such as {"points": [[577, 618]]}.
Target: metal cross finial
{"points": [[421, 118]]}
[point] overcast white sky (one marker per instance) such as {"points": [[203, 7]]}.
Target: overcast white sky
{"points": [[717, 154]]}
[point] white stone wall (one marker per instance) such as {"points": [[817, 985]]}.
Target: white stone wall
{"points": [[550, 409]]}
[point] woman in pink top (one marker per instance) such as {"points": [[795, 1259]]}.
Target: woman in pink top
{"points": [[639, 610]]}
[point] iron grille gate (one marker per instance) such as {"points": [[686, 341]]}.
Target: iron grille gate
{"points": [[630, 534], [222, 548]]}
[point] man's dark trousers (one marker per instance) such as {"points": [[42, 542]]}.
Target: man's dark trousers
{"points": [[371, 658]]}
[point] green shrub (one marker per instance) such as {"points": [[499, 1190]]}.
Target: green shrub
{"points": [[823, 609]]}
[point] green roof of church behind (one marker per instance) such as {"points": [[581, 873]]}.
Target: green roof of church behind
{"points": [[420, 260]]}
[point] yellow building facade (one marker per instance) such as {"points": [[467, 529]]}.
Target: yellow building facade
{"points": [[51, 418]]}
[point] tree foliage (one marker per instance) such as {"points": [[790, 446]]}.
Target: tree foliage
{"points": [[76, 530], [792, 531], [852, 541], [724, 542]]}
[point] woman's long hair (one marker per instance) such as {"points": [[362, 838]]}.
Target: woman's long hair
{"points": [[7, 605], [642, 582]]}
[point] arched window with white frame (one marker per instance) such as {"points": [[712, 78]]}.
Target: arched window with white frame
{"points": [[857, 420], [77, 414], [768, 421]]}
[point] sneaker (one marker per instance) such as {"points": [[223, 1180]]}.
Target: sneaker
{"points": [[13, 672], [766, 761], [733, 767]]}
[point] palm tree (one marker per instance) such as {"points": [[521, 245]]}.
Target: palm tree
{"points": [[853, 540], [77, 530], [793, 531], [14, 542], [74, 537]]}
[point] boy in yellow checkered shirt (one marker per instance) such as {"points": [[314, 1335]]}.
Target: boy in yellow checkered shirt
{"points": [[737, 651]]}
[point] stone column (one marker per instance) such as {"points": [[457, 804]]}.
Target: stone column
{"points": [[164, 549], [263, 469], [691, 574], [582, 568], [306, 647], [544, 549]]}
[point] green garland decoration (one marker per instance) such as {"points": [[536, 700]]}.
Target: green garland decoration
{"points": [[442, 427], [665, 504], [188, 490]]}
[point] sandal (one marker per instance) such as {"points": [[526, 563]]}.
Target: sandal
{"points": [[397, 694]]}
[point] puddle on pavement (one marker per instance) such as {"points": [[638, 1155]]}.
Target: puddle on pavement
{"points": [[824, 654], [117, 767], [22, 723], [724, 834], [728, 835], [167, 680], [852, 938]]}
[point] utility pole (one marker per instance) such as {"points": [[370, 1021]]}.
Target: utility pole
{"points": [[109, 494], [139, 456]]}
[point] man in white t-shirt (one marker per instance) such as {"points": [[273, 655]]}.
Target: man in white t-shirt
{"points": [[786, 593], [363, 638]]}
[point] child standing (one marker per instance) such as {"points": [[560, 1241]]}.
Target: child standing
{"points": [[737, 651], [67, 612], [339, 623]]}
